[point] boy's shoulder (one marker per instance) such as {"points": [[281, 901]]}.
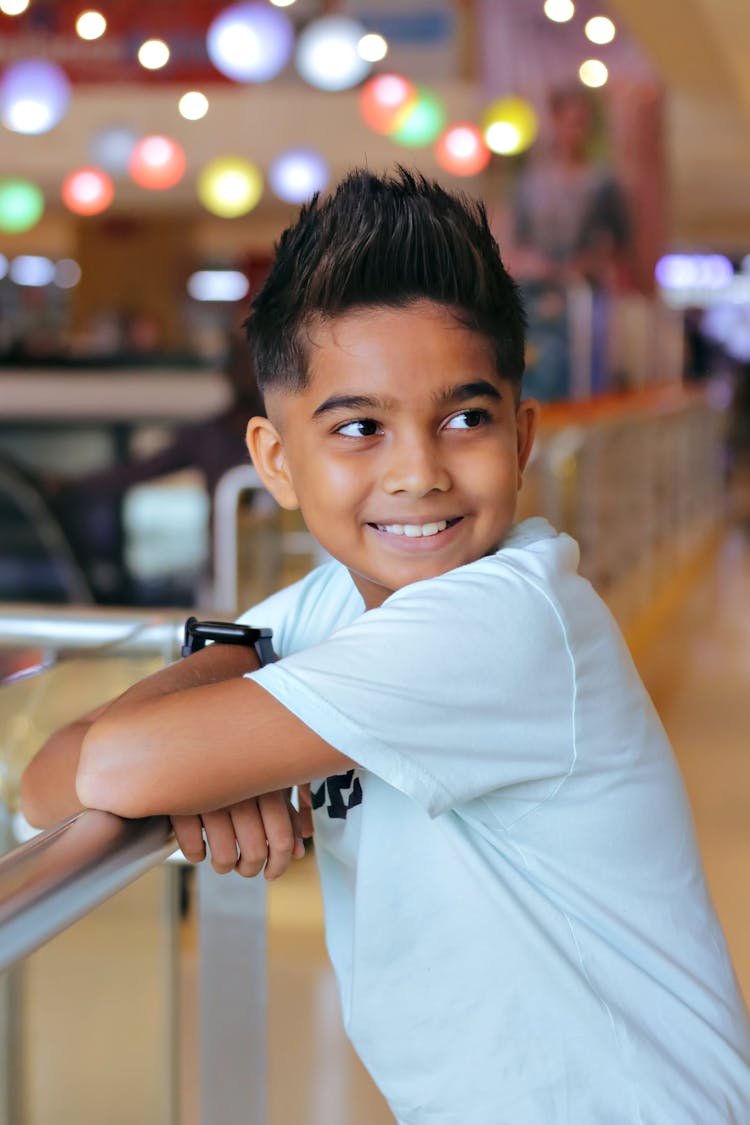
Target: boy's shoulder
{"points": [[309, 610]]}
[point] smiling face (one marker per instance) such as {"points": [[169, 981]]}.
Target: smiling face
{"points": [[405, 449]]}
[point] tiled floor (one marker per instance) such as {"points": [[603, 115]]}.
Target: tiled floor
{"points": [[97, 1017]]}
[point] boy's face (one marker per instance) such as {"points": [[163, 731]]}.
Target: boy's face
{"points": [[404, 451]]}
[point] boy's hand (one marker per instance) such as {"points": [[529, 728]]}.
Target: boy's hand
{"points": [[267, 831]]}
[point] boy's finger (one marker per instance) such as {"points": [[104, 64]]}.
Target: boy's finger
{"points": [[305, 810], [298, 828], [279, 830], [189, 833], [221, 840], [250, 836]]}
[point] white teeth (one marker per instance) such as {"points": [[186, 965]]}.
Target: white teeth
{"points": [[413, 530]]}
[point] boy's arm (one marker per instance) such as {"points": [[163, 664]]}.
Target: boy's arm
{"points": [[198, 749], [267, 830], [48, 792]]}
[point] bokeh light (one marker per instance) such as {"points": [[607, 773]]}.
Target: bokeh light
{"points": [[382, 98], [87, 191], [67, 273], [327, 54], [193, 105], [283, 3], [13, 7], [694, 271], [34, 96], [297, 174], [600, 29], [218, 285], [111, 149], [461, 150], [3, 266], [593, 73], [250, 42], [510, 125], [91, 25], [21, 205], [157, 163], [372, 47], [560, 11], [153, 54], [421, 120], [32, 270], [230, 186]]}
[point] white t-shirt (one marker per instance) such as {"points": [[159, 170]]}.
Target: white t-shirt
{"points": [[515, 905]]}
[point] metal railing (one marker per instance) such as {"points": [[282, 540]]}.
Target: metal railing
{"points": [[236, 482], [63, 873], [99, 632]]}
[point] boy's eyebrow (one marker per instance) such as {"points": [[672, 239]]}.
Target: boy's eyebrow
{"points": [[347, 402], [478, 388]]}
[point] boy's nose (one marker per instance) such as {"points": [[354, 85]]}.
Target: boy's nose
{"points": [[415, 468]]}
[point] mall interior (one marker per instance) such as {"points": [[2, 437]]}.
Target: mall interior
{"points": [[150, 157]]}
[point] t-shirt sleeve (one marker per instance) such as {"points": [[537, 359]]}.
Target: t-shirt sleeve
{"points": [[452, 689], [308, 611]]}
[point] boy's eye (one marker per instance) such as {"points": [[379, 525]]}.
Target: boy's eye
{"points": [[467, 419], [363, 427]]}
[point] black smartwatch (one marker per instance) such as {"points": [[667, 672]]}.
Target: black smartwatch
{"points": [[228, 633]]}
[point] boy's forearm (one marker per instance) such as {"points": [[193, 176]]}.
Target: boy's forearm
{"points": [[198, 750], [48, 784], [212, 665]]}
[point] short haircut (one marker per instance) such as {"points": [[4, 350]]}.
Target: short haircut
{"points": [[383, 241]]}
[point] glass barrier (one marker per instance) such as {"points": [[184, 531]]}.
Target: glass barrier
{"points": [[637, 480], [88, 1020]]}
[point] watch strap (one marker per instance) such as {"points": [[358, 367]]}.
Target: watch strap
{"points": [[198, 633]]}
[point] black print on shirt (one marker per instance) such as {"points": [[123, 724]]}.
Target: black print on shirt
{"points": [[336, 788]]}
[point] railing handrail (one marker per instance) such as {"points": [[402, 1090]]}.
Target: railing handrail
{"points": [[63, 873], [88, 629]]}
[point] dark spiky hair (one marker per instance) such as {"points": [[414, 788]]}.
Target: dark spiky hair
{"points": [[383, 241]]}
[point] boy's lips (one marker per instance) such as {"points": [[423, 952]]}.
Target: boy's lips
{"points": [[411, 530]]}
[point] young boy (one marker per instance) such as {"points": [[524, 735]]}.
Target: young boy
{"points": [[515, 905]]}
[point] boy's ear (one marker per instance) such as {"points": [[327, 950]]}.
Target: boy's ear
{"points": [[527, 421], [266, 449]]}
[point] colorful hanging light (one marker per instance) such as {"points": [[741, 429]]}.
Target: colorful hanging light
{"points": [[509, 125], [250, 42], [421, 119], [383, 98], [87, 191], [157, 163], [21, 205], [297, 174], [461, 150], [230, 186], [34, 96], [328, 56]]}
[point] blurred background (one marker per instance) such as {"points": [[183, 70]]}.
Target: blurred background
{"points": [[150, 156]]}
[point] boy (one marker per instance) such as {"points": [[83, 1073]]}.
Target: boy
{"points": [[515, 905]]}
